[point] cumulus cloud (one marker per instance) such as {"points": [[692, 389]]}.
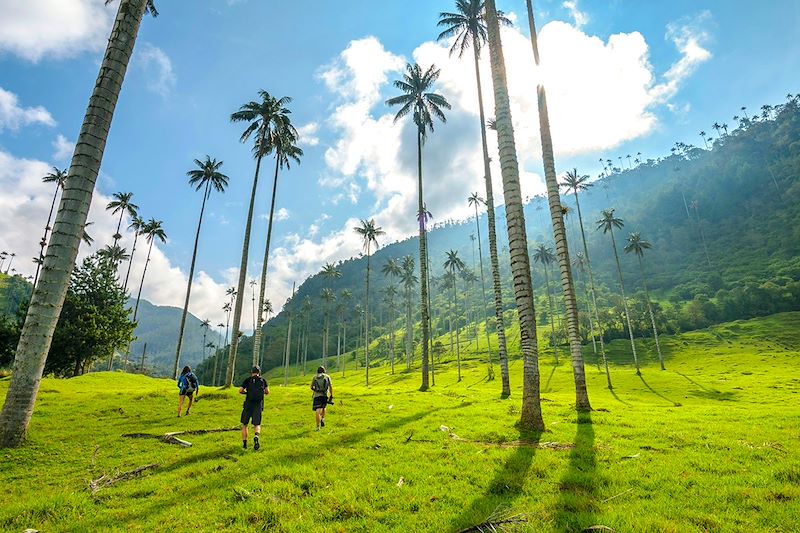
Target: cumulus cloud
{"points": [[63, 148], [601, 93], [282, 214], [26, 202], [54, 28], [13, 115], [307, 134], [157, 67]]}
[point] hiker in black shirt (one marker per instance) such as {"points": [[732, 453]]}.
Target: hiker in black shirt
{"points": [[323, 395], [254, 388]]}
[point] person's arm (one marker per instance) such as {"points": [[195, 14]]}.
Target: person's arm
{"points": [[266, 390], [330, 389], [242, 390]]}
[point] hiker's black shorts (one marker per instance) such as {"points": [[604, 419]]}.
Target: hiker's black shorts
{"points": [[252, 411], [320, 402]]}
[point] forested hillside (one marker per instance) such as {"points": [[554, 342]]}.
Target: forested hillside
{"points": [[723, 222]]}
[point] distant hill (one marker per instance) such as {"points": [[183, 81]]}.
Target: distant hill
{"points": [[158, 327]]}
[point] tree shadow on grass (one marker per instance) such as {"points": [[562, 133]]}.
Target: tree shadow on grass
{"points": [[576, 508], [651, 389], [546, 387], [507, 485]]}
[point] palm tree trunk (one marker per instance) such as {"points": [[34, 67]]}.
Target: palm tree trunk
{"points": [[366, 326], [483, 295], [423, 268], [287, 352], [325, 337], [559, 234], [189, 286], [531, 415], [237, 313], [43, 242], [48, 296], [550, 308], [593, 293], [409, 331], [625, 303], [344, 360], [458, 341], [339, 344], [119, 226], [263, 287], [650, 310], [498, 289], [391, 334], [130, 260]]}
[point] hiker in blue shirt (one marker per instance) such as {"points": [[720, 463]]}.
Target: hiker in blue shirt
{"points": [[188, 387], [323, 395]]}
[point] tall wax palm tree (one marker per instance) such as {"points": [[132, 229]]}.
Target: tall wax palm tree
{"points": [[544, 255], [468, 25], [253, 284], [114, 254], [419, 100], [476, 201], [284, 144], [266, 117], [137, 225], [409, 280], [559, 234], [638, 245], [59, 177], [51, 289], [122, 204], [695, 206], [578, 183], [390, 293], [369, 233], [531, 415], [330, 273], [205, 176], [10, 262], [328, 296], [391, 269], [206, 324], [345, 296], [607, 224], [453, 264]]}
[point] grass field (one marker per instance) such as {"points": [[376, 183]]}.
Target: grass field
{"points": [[710, 444]]}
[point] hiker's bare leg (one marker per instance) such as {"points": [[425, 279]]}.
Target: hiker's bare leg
{"points": [[191, 399], [180, 404], [319, 414], [244, 432], [257, 430]]}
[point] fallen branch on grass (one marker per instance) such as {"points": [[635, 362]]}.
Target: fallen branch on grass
{"points": [[518, 444], [171, 438], [106, 480], [500, 520], [617, 495]]}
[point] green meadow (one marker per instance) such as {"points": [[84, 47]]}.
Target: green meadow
{"points": [[710, 444]]}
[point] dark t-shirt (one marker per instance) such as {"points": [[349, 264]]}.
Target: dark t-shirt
{"points": [[255, 387]]}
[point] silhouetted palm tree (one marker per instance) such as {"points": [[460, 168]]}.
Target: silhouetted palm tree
{"points": [[474, 201], [59, 177], [329, 272], [137, 225], [122, 204], [453, 264], [369, 233], [419, 100], [391, 270], [638, 245], [544, 255]]}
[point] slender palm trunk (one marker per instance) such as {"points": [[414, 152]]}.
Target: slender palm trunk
{"points": [[366, 326], [483, 295], [625, 303], [531, 415], [552, 313], [702, 237], [409, 331], [189, 285], [119, 226], [344, 360], [559, 234], [593, 293], [263, 287], [48, 296], [141, 284], [130, 260], [391, 333], [237, 312], [498, 289], [339, 344], [650, 311], [287, 352], [423, 269], [458, 341], [43, 242]]}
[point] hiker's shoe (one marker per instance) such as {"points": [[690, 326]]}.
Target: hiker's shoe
{"points": [[256, 444], [322, 422], [317, 428], [244, 445], [187, 413]]}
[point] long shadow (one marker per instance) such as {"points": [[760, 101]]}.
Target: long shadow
{"points": [[507, 485], [651, 389], [546, 387], [696, 384], [576, 508], [620, 400]]}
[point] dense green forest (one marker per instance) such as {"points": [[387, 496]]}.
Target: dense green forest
{"points": [[722, 221]]}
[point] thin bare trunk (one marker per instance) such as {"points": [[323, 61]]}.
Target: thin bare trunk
{"points": [[50, 291], [625, 303], [43, 242], [366, 326], [423, 269], [531, 415], [650, 310]]}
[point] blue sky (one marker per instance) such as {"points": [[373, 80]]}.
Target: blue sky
{"points": [[622, 76]]}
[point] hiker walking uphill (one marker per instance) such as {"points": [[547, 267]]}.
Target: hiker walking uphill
{"points": [[188, 387], [323, 395], [254, 388]]}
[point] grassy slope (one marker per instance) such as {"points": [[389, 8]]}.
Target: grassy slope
{"points": [[710, 444]]}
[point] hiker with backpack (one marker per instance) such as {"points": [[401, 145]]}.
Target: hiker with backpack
{"points": [[254, 388], [188, 387], [323, 395]]}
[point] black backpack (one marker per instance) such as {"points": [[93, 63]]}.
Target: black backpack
{"points": [[189, 384], [255, 389]]}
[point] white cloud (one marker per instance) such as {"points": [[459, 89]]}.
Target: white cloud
{"points": [[157, 67], [579, 17], [282, 214], [307, 134], [54, 28], [689, 37], [12, 115], [26, 202], [63, 148]]}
